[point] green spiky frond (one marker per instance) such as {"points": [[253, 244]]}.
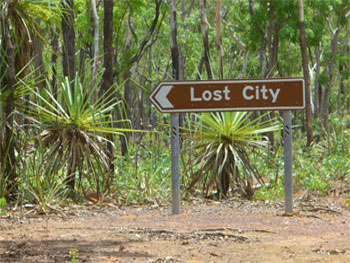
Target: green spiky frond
{"points": [[24, 20], [222, 153], [73, 131]]}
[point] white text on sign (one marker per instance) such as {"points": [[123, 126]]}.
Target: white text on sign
{"points": [[251, 93], [207, 95]]}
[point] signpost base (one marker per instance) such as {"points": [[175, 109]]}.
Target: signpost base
{"points": [[175, 163], [288, 161]]}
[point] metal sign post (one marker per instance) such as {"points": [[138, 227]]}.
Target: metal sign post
{"points": [[230, 95], [288, 161], [175, 162]]}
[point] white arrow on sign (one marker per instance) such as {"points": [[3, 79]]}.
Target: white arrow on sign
{"points": [[162, 99]]}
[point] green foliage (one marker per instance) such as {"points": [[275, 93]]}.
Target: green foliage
{"points": [[323, 78], [40, 186], [315, 168], [83, 23], [145, 175], [72, 126], [224, 141], [274, 193], [72, 133], [326, 161], [2, 202], [309, 174], [74, 255], [2, 206]]}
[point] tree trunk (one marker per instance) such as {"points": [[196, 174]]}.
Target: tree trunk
{"points": [[342, 69], [263, 60], [108, 44], [141, 97], [173, 42], [8, 150], [145, 43], [327, 90], [341, 90], [243, 73], [269, 37], [200, 68], [150, 73], [317, 84], [8, 158], [55, 46], [96, 20], [128, 96], [68, 31], [219, 38], [303, 47], [81, 68], [108, 73], [38, 61], [205, 28]]}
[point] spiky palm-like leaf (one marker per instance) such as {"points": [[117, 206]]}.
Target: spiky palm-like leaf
{"points": [[73, 130], [222, 153], [24, 22]]}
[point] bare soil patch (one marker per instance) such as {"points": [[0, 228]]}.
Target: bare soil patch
{"points": [[205, 231]]}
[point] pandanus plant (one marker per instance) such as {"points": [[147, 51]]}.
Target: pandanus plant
{"points": [[222, 153], [73, 131]]}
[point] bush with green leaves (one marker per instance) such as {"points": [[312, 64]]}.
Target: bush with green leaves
{"points": [[145, 175], [223, 143], [73, 132]]}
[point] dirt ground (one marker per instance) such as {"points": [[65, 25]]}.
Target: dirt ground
{"points": [[205, 231]]}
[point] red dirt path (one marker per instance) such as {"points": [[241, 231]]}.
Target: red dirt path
{"points": [[205, 231]]}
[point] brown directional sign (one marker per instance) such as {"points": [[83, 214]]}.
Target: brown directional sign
{"points": [[229, 95]]}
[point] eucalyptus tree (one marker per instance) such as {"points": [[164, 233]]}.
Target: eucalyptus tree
{"points": [[135, 48], [205, 37], [303, 47], [342, 11], [108, 65], [219, 37]]}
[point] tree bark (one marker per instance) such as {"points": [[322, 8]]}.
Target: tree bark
{"points": [[263, 60], [343, 67], [243, 73], [128, 96], [96, 20], [38, 61], [327, 90], [317, 92], [200, 68], [147, 39], [173, 41], [108, 65], [303, 48], [205, 28], [272, 42], [145, 43], [55, 47], [68, 31], [7, 147], [219, 38]]}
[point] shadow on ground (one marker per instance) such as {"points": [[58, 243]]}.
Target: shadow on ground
{"points": [[65, 250]]}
